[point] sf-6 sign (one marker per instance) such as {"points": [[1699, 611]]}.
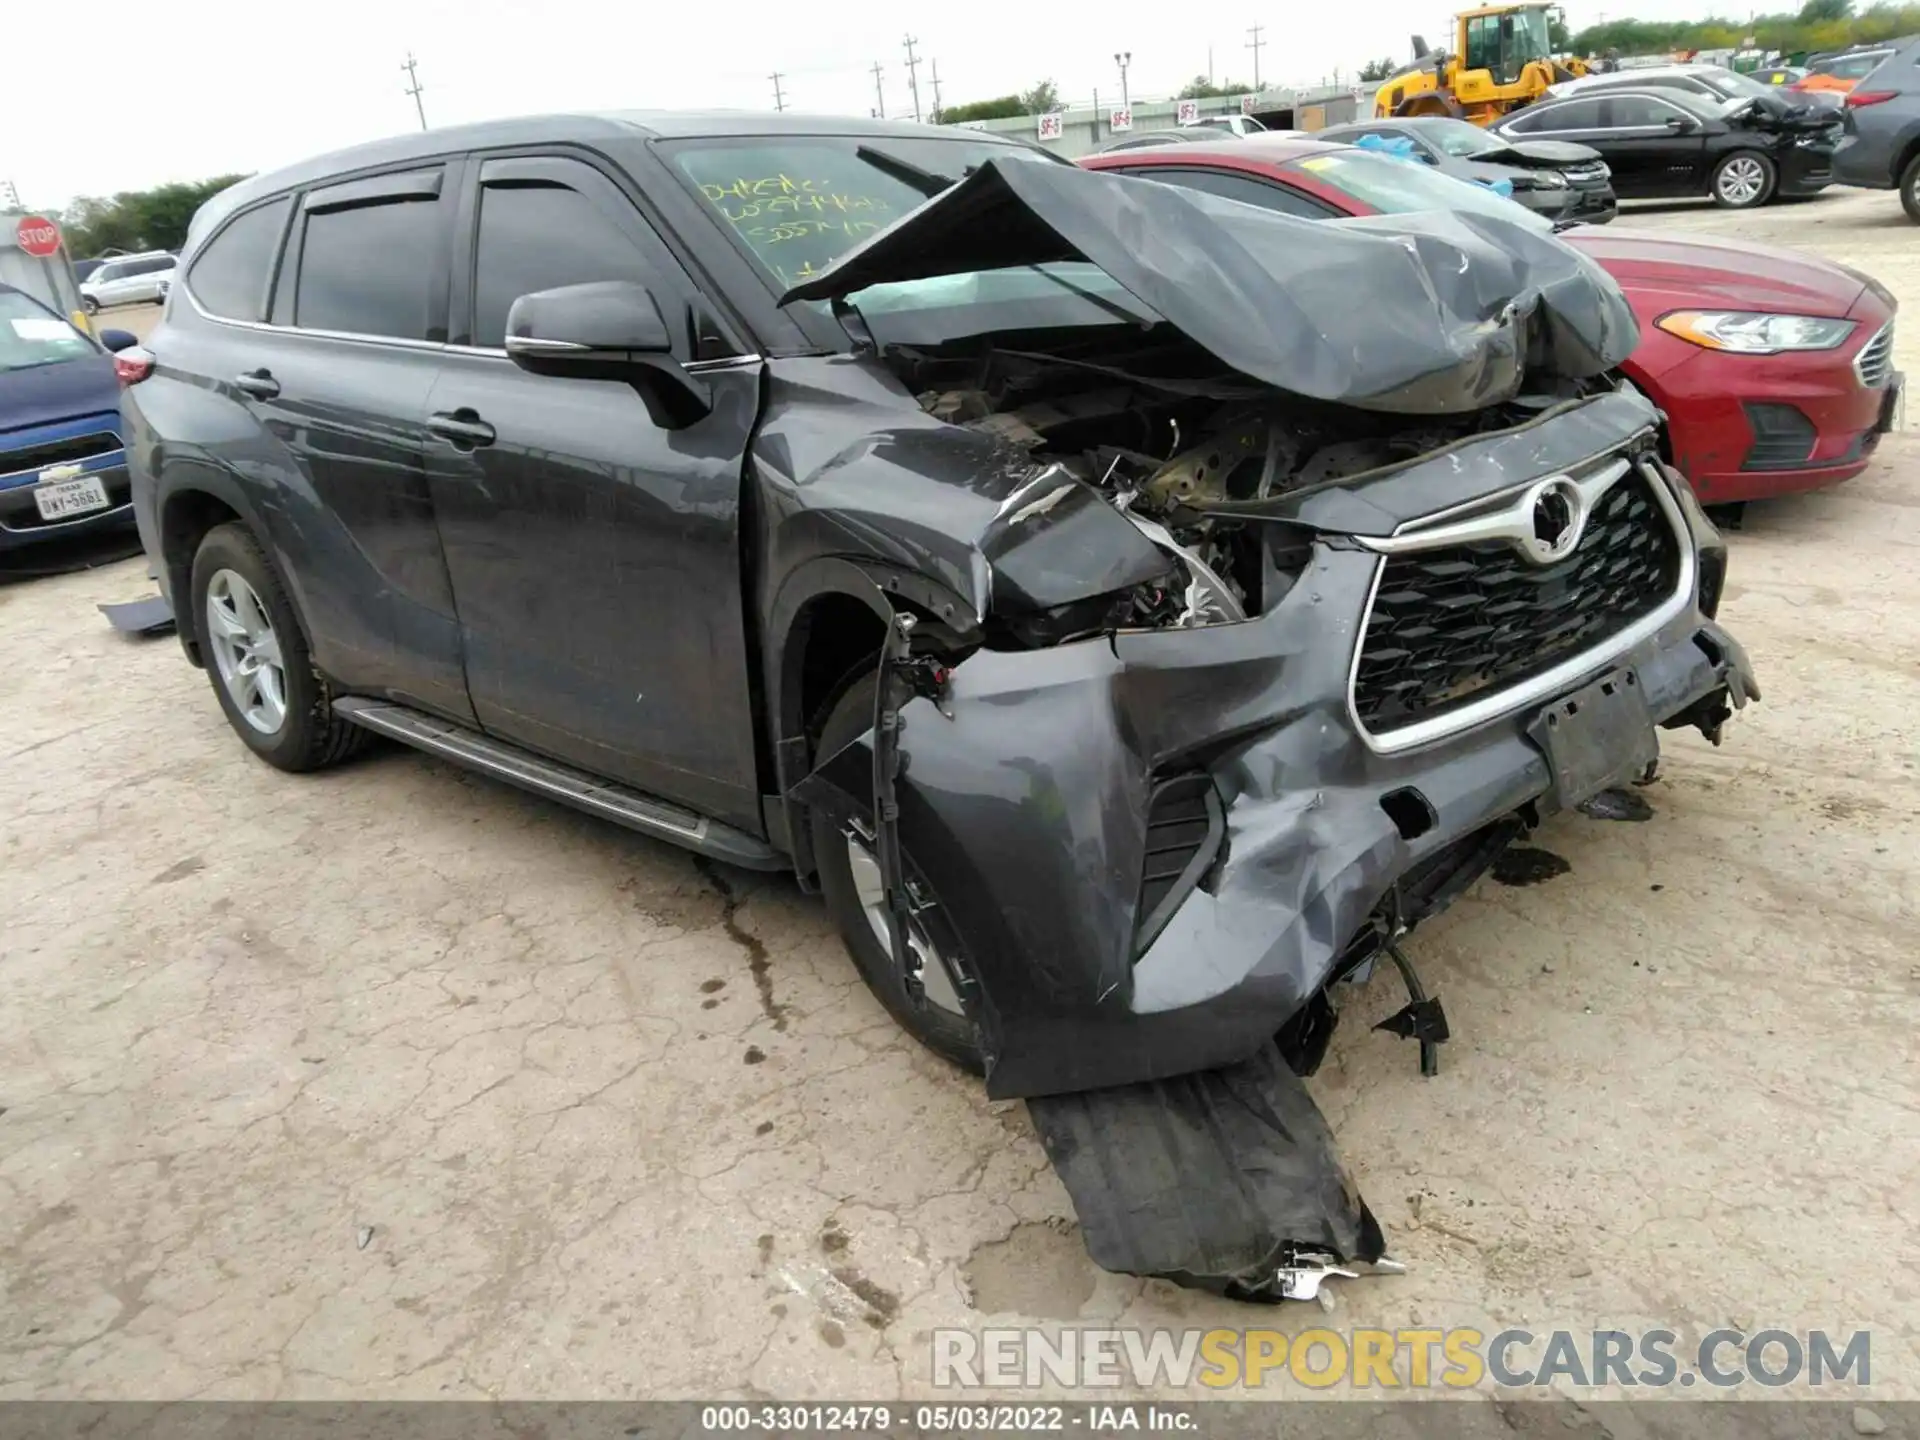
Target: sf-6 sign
{"points": [[1118, 120]]}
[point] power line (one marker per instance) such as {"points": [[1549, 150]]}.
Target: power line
{"points": [[779, 100], [414, 90], [913, 75], [879, 95], [1254, 45]]}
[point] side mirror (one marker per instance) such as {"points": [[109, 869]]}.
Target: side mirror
{"points": [[1680, 125], [118, 339], [607, 330]]}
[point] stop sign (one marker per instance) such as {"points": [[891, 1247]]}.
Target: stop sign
{"points": [[37, 235]]}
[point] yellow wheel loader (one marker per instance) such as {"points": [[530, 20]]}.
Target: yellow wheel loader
{"points": [[1502, 58]]}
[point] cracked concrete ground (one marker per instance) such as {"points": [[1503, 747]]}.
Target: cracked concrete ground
{"points": [[394, 1082]]}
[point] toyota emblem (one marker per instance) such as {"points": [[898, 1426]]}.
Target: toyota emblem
{"points": [[1559, 517]]}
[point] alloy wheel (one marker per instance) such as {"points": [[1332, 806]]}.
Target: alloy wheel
{"points": [[929, 971], [1741, 180], [246, 651]]}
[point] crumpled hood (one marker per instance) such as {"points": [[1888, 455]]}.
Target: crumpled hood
{"points": [[1427, 314], [1540, 154]]}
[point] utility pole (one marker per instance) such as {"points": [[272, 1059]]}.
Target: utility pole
{"points": [[414, 89], [1124, 58], [1254, 45], [779, 100], [936, 88], [11, 194], [879, 95], [913, 75]]}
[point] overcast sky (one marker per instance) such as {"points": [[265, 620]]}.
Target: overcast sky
{"points": [[112, 95]]}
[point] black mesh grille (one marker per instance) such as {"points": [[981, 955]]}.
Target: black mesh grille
{"points": [[1184, 832], [58, 452], [1450, 624]]}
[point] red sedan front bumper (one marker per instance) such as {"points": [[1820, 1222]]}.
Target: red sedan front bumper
{"points": [[1745, 427]]}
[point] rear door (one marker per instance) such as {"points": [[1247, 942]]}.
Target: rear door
{"points": [[334, 354], [595, 555]]}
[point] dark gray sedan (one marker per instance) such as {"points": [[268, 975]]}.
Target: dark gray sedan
{"points": [[1567, 184]]}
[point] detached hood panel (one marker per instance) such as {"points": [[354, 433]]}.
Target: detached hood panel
{"points": [[1428, 314]]}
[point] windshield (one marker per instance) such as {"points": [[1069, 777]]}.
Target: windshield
{"points": [[796, 203], [1531, 39], [1458, 137], [1395, 187], [32, 336]]}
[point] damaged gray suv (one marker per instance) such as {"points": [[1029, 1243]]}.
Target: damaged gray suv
{"points": [[1133, 611]]}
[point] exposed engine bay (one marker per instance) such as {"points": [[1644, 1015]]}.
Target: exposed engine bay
{"points": [[1169, 454]]}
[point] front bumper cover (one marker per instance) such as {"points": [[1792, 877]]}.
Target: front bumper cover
{"points": [[1023, 795]]}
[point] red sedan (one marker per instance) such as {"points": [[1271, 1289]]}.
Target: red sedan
{"points": [[1775, 369]]}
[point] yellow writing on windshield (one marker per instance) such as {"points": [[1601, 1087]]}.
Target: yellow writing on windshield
{"points": [[774, 213]]}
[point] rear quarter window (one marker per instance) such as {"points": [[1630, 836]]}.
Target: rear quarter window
{"points": [[229, 277]]}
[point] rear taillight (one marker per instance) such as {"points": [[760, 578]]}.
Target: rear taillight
{"points": [[132, 365], [1857, 98]]}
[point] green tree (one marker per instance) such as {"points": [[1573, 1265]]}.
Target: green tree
{"points": [[1041, 99], [155, 219], [1817, 25], [1201, 88], [1816, 11], [1383, 69], [1007, 107]]}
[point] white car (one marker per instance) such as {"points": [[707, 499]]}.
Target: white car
{"points": [[1241, 125], [129, 280]]}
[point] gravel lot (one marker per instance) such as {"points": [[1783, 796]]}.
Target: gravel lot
{"points": [[395, 1082]]}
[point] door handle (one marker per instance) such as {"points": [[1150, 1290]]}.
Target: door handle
{"points": [[463, 427], [258, 383]]}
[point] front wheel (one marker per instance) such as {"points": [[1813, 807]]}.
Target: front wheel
{"points": [[257, 658], [1910, 190], [1743, 180], [90, 305], [925, 1001]]}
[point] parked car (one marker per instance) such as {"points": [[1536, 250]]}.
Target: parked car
{"points": [[62, 469], [1831, 78], [1149, 138], [1659, 143], [128, 280], [1779, 75], [1706, 82], [1566, 184], [1774, 367], [1241, 125], [1881, 148], [700, 470]]}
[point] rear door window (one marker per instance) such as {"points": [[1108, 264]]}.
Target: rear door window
{"points": [[229, 277], [369, 253], [1572, 115]]}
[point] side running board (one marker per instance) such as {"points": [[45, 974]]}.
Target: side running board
{"points": [[582, 791]]}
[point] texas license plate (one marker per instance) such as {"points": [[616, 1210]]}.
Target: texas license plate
{"points": [[1598, 737], [1893, 407], [63, 499]]}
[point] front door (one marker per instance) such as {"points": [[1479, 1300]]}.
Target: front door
{"points": [[595, 555], [1655, 148]]}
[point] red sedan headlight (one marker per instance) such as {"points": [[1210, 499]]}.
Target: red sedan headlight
{"points": [[1752, 332]]}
